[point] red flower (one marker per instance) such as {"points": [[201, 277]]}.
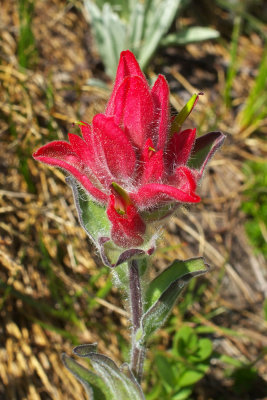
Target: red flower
{"points": [[129, 158]]}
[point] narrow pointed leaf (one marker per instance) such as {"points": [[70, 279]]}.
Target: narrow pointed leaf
{"points": [[136, 26], [84, 349], [189, 35], [121, 387], [157, 314], [95, 386], [184, 113], [175, 271], [126, 370], [109, 33], [158, 19]]}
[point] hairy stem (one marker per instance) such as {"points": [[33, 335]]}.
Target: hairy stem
{"points": [[137, 352]]}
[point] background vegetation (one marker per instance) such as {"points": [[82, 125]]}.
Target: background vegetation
{"points": [[54, 291]]}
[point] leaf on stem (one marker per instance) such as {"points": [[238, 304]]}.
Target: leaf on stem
{"points": [[189, 35], [178, 269], [108, 381], [109, 32], [164, 291], [158, 19], [184, 113], [95, 387]]}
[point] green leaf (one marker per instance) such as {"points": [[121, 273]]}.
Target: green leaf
{"points": [[184, 113], [230, 360], [155, 392], [92, 216], [183, 394], [157, 314], [176, 270], [115, 38], [159, 16], [185, 342], [94, 385], [109, 33], [108, 382], [121, 276], [255, 108], [120, 385], [99, 84], [122, 7], [190, 377], [191, 343], [27, 52], [164, 368], [204, 350], [136, 26], [190, 35], [233, 66]]}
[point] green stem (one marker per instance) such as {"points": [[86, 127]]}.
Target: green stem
{"points": [[137, 352]]}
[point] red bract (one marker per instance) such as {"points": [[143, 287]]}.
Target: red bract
{"points": [[129, 158]]}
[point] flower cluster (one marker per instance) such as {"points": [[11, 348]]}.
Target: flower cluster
{"points": [[134, 159]]}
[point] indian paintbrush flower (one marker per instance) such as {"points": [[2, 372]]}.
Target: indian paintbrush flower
{"points": [[134, 159], [132, 168]]}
